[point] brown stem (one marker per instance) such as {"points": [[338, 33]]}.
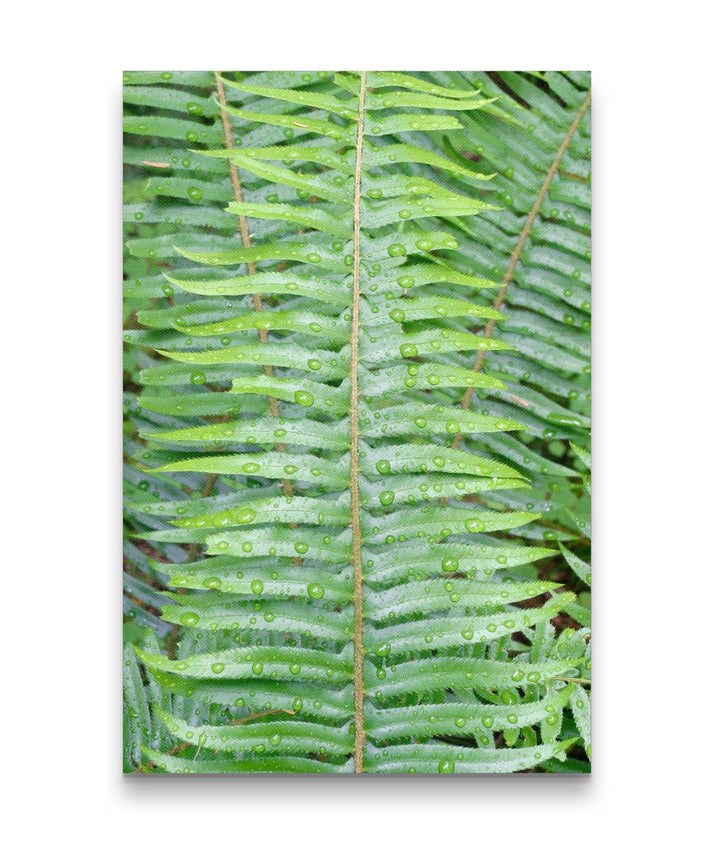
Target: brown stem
{"points": [[515, 256], [247, 243], [355, 445]]}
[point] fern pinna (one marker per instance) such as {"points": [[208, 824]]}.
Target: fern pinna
{"points": [[357, 422]]}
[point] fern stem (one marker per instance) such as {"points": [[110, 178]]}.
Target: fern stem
{"points": [[515, 255], [355, 443], [247, 243], [244, 232]]}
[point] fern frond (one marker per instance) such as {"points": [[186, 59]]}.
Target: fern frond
{"points": [[352, 443]]}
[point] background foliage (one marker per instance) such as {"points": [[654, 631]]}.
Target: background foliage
{"points": [[472, 408]]}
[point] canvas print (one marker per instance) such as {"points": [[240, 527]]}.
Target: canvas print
{"points": [[356, 422]]}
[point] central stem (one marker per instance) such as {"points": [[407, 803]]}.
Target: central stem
{"points": [[355, 443]]}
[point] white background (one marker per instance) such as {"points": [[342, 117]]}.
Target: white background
{"points": [[656, 338]]}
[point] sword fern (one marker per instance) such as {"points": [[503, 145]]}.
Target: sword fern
{"points": [[356, 422]]}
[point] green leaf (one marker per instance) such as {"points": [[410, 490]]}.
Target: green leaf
{"points": [[580, 706], [308, 216], [317, 100], [458, 673], [271, 465], [383, 79], [296, 432], [581, 569]]}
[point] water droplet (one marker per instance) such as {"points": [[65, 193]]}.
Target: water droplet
{"points": [[408, 350], [304, 398], [245, 515]]}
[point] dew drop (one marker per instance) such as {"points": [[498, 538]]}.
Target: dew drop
{"points": [[305, 399], [408, 350]]}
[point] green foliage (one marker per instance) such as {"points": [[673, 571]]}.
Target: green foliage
{"points": [[356, 422]]}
